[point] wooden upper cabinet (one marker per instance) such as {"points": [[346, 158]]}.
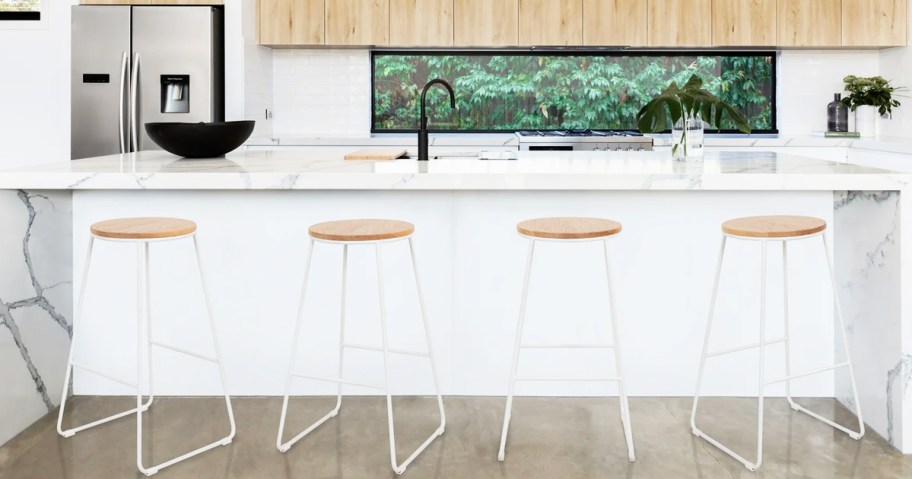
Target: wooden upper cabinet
{"points": [[421, 22], [874, 23], [290, 22], [551, 22], [486, 23], [614, 23], [810, 23], [357, 22], [744, 23], [680, 23]]}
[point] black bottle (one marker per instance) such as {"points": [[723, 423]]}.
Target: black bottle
{"points": [[837, 115]]}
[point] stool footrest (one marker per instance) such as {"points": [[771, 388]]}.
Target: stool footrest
{"points": [[97, 373], [808, 373], [393, 351], [338, 381], [183, 351], [553, 378], [745, 347], [566, 346]]}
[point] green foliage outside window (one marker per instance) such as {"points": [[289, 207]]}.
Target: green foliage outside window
{"points": [[20, 5], [507, 92]]}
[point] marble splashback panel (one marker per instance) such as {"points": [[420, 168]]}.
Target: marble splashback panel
{"points": [[36, 304]]}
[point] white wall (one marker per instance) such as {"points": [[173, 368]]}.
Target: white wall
{"points": [[809, 78], [35, 81], [327, 92], [896, 65]]}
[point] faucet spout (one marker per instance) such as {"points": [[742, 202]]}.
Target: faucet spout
{"points": [[423, 131]]}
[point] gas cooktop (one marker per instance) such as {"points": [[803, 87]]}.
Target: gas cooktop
{"points": [[577, 133]]}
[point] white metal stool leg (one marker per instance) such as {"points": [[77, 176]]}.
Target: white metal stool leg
{"points": [[143, 308], [71, 364], [619, 365], [763, 342], [283, 447], [519, 331], [847, 363], [385, 349]]}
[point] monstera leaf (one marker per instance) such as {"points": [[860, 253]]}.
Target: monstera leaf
{"points": [[676, 103]]}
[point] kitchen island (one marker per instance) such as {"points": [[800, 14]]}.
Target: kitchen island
{"points": [[253, 210]]}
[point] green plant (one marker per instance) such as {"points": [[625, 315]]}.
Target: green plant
{"points": [[514, 92], [682, 103], [870, 91]]}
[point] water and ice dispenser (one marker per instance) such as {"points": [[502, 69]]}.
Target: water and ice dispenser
{"points": [[175, 93]]}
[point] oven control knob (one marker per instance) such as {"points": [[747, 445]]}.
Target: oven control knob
{"points": [[596, 148]]}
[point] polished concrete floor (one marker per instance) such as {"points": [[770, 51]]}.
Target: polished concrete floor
{"points": [[549, 438]]}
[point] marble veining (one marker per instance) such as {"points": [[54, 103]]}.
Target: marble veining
{"points": [[35, 296], [903, 372]]}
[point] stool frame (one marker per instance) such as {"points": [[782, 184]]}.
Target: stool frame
{"points": [[763, 342], [144, 314], [616, 346], [398, 468]]}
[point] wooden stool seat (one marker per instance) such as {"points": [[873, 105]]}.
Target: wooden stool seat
{"points": [[568, 228], [361, 230], [143, 228], [774, 226]]}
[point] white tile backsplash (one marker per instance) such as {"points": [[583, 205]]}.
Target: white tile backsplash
{"points": [[323, 92]]}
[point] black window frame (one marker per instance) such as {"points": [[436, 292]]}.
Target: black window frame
{"points": [[20, 16], [774, 130]]}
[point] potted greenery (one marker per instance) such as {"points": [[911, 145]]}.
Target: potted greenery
{"points": [[867, 94], [686, 107]]}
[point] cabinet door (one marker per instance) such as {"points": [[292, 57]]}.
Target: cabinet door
{"points": [[810, 23], [680, 23], [486, 23], [744, 22], [550, 22], [357, 22], [614, 22], [290, 22], [874, 23], [421, 22]]}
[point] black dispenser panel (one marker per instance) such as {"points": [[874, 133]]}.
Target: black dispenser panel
{"points": [[175, 93], [96, 78]]}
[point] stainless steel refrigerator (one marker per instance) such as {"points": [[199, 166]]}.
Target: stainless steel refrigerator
{"points": [[134, 65]]}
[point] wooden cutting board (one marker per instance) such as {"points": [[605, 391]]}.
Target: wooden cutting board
{"points": [[376, 154]]}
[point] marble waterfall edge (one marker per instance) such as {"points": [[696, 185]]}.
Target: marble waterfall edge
{"points": [[36, 304], [868, 270]]}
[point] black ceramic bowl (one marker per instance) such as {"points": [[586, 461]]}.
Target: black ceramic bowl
{"points": [[200, 140]]}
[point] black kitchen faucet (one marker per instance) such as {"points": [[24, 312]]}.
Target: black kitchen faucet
{"points": [[423, 131]]}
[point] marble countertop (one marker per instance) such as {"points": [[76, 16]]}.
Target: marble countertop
{"points": [[298, 170], [885, 144]]}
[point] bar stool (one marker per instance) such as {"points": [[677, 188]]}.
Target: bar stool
{"points": [[374, 233], [568, 230], [766, 229], [142, 232]]}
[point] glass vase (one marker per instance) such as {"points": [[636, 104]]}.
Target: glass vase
{"points": [[687, 138]]}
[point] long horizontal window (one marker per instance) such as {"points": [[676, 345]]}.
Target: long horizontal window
{"points": [[20, 10], [510, 91]]}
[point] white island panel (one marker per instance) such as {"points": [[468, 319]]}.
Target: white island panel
{"points": [[471, 260]]}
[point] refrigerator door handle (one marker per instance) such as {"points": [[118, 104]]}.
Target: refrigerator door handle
{"points": [[124, 64], [134, 103]]}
